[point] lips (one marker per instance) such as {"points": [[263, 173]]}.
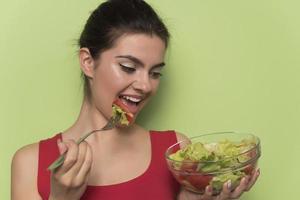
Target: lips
{"points": [[132, 102]]}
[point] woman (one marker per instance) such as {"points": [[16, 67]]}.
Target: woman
{"points": [[122, 49]]}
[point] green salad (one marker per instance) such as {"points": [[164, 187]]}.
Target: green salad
{"points": [[214, 163]]}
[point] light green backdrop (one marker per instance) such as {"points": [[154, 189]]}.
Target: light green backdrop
{"points": [[232, 65]]}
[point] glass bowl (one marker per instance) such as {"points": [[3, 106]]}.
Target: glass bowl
{"points": [[213, 159]]}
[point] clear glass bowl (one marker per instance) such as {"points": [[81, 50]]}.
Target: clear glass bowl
{"points": [[190, 173]]}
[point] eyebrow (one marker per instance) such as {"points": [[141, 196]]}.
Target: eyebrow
{"points": [[139, 62]]}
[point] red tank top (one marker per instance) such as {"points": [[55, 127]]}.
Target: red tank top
{"points": [[156, 183]]}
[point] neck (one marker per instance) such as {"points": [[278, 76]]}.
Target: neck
{"points": [[90, 118]]}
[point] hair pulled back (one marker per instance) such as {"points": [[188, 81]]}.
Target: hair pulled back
{"points": [[112, 19]]}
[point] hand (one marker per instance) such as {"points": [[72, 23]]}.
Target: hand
{"points": [[245, 185], [69, 181]]}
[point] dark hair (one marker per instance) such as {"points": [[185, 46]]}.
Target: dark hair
{"points": [[114, 18]]}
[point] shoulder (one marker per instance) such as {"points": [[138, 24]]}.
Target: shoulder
{"points": [[25, 160], [24, 172], [26, 154]]}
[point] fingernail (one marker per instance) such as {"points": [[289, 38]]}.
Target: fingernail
{"points": [[60, 147], [208, 190], [229, 184], [58, 141]]}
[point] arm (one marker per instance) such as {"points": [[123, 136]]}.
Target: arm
{"points": [[68, 182], [245, 185], [24, 174]]}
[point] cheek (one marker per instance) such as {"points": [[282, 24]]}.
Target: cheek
{"points": [[117, 77], [109, 80], [155, 86]]}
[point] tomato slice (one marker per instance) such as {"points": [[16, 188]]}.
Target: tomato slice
{"points": [[190, 167], [199, 181], [118, 102], [249, 169]]}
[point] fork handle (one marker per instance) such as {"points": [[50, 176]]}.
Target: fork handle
{"points": [[112, 122], [60, 160]]}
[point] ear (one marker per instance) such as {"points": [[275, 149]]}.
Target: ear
{"points": [[87, 62]]}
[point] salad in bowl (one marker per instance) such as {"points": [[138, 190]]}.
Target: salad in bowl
{"points": [[213, 159]]}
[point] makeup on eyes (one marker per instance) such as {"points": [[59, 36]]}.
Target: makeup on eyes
{"points": [[131, 63], [137, 61]]}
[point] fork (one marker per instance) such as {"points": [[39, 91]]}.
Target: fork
{"points": [[112, 122]]}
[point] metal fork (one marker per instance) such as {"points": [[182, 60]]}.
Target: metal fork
{"points": [[112, 122]]}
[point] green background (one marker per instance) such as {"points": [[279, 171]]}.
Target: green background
{"points": [[232, 65]]}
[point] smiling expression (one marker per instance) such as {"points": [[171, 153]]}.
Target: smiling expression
{"points": [[130, 70]]}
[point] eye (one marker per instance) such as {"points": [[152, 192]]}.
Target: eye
{"points": [[155, 75], [127, 69]]}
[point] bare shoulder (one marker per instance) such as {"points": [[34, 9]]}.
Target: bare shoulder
{"points": [[26, 154], [24, 173], [181, 136]]}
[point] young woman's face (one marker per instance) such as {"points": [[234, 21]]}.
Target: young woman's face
{"points": [[130, 71]]}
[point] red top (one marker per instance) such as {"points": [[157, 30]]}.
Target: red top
{"points": [[156, 183]]}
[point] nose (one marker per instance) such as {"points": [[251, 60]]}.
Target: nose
{"points": [[142, 84]]}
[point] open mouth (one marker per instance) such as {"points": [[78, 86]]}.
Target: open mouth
{"points": [[131, 102]]}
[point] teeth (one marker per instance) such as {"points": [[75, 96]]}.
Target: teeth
{"points": [[135, 100]]}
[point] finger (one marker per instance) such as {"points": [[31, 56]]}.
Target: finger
{"points": [[241, 188], [61, 146], [86, 165], [253, 179], [225, 191], [71, 156], [82, 148], [208, 193], [187, 195]]}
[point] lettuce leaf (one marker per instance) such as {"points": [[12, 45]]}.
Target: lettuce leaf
{"points": [[116, 110], [219, 180]]}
